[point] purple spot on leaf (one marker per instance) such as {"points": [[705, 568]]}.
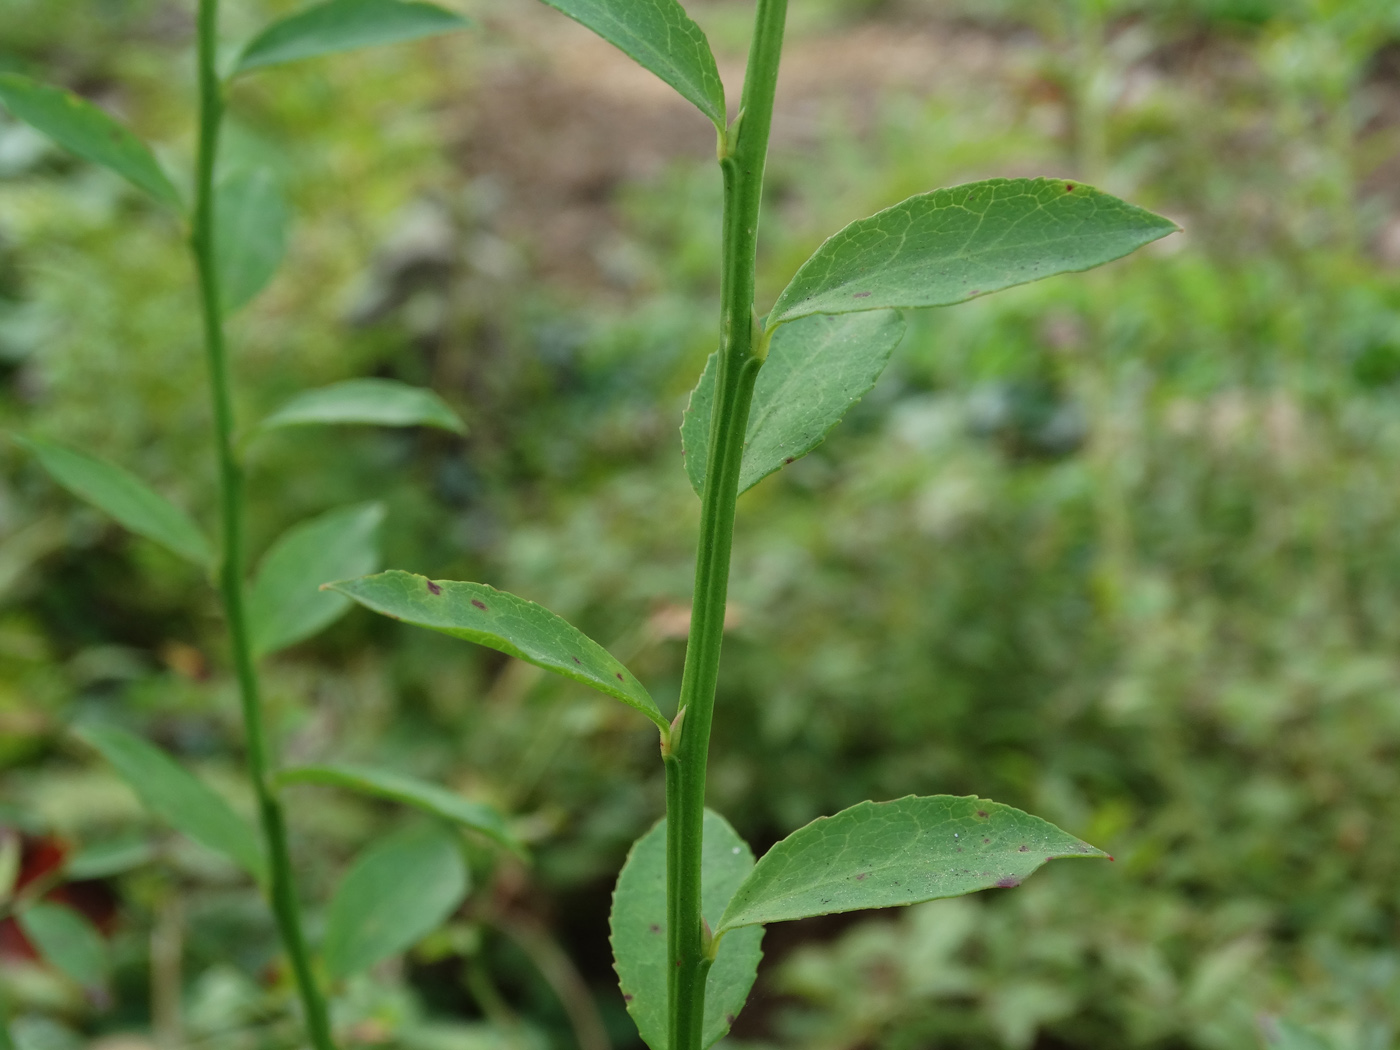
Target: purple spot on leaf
{"points": [[1008, 883], [863, 876], [479, 604], [860, 295], [434, 588]]}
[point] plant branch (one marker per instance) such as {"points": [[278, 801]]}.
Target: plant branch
{"points": [[742, 169], [281, 889]]}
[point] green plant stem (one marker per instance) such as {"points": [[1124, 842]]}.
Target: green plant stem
{"points": [[742, 167], [281, 888]]}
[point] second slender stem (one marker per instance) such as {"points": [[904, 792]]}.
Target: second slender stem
{"points": [[281, 887], [742, 166]]}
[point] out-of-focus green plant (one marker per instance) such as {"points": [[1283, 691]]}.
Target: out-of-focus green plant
{"points": [[691, 904], [400, 888]]}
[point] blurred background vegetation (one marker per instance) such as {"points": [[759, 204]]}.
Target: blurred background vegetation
{"points": [[1122, 549]]}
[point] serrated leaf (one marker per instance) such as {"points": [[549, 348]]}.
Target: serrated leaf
{"points": [[286, 604], [951, 245], [660, 36], [817, 368], [67, 941], [124, 496], [345, 25], [638, 925], [84, 129], [501, 621], [395, 894], [250, 224], [398, 787], [377, 402], [172, 793], [886, 854]]}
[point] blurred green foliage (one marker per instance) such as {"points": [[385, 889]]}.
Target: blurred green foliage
{"points": [[1123, 549]]}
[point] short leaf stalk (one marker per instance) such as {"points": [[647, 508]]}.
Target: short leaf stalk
{"points": [[742, 165], [281, 886]]}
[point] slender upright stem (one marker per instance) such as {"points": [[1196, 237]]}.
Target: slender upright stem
{"points": [[281, 889], [688, 940]]}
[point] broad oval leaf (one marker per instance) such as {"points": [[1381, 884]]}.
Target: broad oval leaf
{"points": [[638, 925], [82, 128], [885, 854], [125, 497], [395, 894], [344, 25], [250, 239], [66, 940], [398, 787], [286, 604], [816, 369], [660, 36], [501, 621], [172, 793], [951, 245], [377, 402]]}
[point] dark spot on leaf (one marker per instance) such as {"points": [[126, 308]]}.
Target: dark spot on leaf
{"points": [[655, 928], [1110, 859], [862, 876], [1024, 849], [959, 849], [975, 291], [790, 459], [578, 661], [860, 295], [626, 998], [729, 1019], [1069, 187], [1010, 882], [434, 588], [982, 813], [619, 676], [479, 604], [985, 841]]}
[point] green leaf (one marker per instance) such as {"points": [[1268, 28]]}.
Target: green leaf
{"points": [[250, 238], [170, 792], [80, 127], [344, 25], [951, 245], [125, 497], [67, 941], [638, 924], [286, 604], [503, 622], [394, 895], [397, 787], [816, 369], [378, 402], [1285, 1035], [659, 35], [885, 854], [100, 860]]}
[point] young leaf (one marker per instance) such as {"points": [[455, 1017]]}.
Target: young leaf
{"points": [[660, 36], [67, 941], [80, 127], [168, 791], [501, 621], [951, 245], [125, 497], [393, 896], [378, 402], [397, 787], [250, 223], [638, 924], [344, 25], [817, 368], [884, 854], [286, 604]]}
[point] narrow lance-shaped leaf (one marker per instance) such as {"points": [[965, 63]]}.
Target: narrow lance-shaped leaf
{"points": [[80, 127], [170, 792], [345, 25], [124, 496], [393, 896], [398, 787], [286, 604], [377, 402], [659, 35], [816, 369], [67, 940], [1280, 1034], [100, 860], [250, 222], [885, 854], [501, 621], [638, 924], [945, 247]]}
